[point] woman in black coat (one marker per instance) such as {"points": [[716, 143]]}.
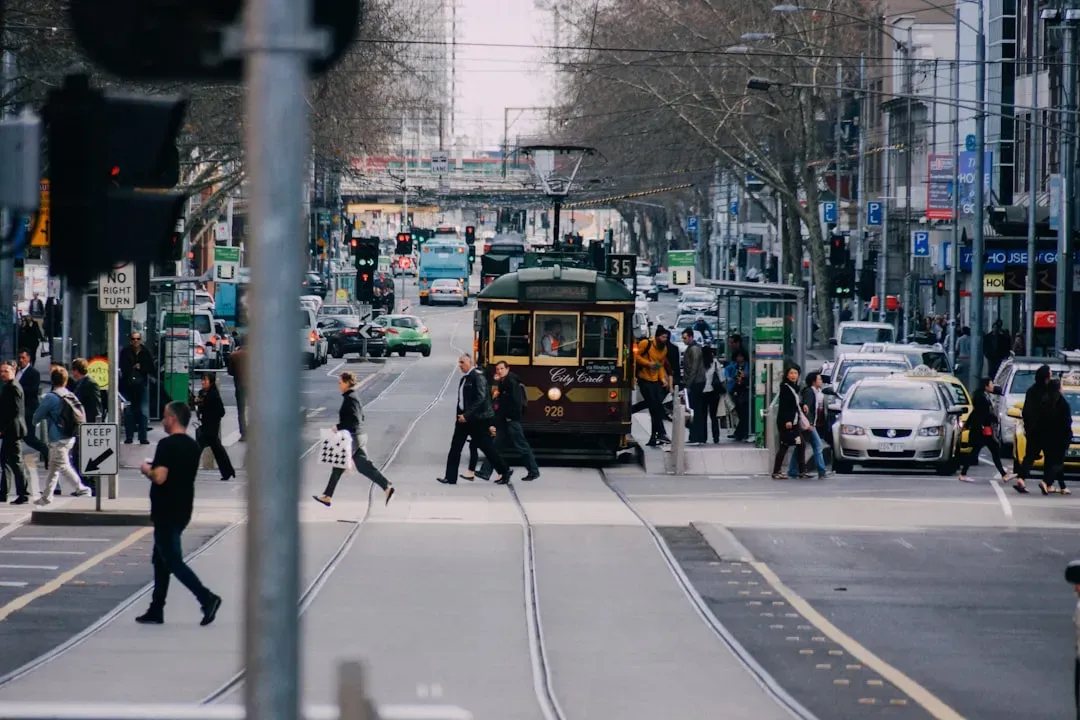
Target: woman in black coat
{"points": [[980, 427], [1057, 436], [211, 410], [351, 420], [787, 424]]}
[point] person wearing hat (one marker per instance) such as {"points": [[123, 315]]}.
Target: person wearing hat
{"points": [[652, 371]]}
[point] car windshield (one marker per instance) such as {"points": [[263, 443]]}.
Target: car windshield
{"points": [[697, 297], [312, 279], [1074, 402], [933, 359], [305, 319], [336, 310], [856, 374], [959, 395], [1022, 382], [844, 366], [895, 397], [862, 335], [202, 324], [349, 321], [405, 322]]}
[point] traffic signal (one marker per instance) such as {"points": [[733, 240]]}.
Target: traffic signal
{"points": [[470, 234], [354, 243], [404, 244], [838, 251], [169, 40], [867, 281], [365, 285], [844, 281], [105, 152], [367, 262], [940, 288]]}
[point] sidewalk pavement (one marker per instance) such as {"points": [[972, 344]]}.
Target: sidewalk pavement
{"points": [[726, 458], [132, 456]]}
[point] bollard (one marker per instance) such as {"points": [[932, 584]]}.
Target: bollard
{"points": [[353, 703], [678, 434]]}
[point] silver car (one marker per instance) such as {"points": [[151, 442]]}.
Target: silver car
{"points": [[932, 356], [1015, 376], [897, 420], [835, 373]]}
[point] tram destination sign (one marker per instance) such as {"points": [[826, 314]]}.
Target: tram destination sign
{"points": [[604, 367], [550, 292]]}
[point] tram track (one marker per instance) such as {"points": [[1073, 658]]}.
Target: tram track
{"points": [[543, 684]]}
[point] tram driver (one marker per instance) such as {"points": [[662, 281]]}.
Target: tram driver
{"points": [[553, 338]]}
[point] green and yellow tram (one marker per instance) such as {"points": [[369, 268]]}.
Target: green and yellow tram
{"points": [[566, 332]]}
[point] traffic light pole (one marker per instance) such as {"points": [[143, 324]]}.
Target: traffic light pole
{"points": [[278, 44]]}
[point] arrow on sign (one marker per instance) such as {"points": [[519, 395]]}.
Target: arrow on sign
{"points": [[363, 332], [95, 463]]}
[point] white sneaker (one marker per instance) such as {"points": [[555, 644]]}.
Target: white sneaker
{"points": [[85, 492], [43, 501]]}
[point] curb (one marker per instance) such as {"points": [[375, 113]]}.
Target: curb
{"points": [[90, 518]]}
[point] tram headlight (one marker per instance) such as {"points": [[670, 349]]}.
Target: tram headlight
{"points": [[554, 394], [613, 379]]}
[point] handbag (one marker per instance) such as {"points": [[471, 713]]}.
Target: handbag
{"points": [[987, 431], [336, 448]]}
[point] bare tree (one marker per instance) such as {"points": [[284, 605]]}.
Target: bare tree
{"points": [[657, 82]]}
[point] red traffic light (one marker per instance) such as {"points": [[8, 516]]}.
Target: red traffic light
{"points": [[354, 242], [364, 277], [470, 229]]}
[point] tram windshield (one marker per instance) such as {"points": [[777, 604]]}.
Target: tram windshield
{"points": [[511, 336], [556, 335], [601, 337]]}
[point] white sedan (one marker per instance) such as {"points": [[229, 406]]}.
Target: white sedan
{"points": [[897, 420], [446, 290]]}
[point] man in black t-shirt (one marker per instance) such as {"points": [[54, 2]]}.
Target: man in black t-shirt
{"points": [[172, 496]]}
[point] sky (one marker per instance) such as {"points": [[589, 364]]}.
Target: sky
{"points": [[492, 79]]}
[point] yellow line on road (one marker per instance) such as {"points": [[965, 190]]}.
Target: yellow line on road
{"points": [[931, 703], [59, 581]]}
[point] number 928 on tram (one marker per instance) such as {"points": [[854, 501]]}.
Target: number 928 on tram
{"points": [[566, 334]]}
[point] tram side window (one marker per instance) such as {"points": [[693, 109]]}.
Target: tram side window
{"points": [[601, 337], [556, 335], [512, 335]]}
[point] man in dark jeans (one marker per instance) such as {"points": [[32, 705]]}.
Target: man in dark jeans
{"points": [[172, 498], [509, 406], [136, 368], [12, 431], [476, 420], [693, 375]]}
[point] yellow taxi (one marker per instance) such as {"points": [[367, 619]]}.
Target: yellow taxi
{"points": [[958, 394], [1070, 390]]}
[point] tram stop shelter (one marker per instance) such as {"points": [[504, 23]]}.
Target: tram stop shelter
{"points": [[773, 322]]}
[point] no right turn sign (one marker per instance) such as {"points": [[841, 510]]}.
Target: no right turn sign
{"points": [[116, 289]]}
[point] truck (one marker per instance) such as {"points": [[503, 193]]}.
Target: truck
{"points": [[443, 257]]}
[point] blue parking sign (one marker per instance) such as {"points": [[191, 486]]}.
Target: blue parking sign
{"points": [[920, 243], [828, 212], [733, 209], [873, 213], [692, 223]]}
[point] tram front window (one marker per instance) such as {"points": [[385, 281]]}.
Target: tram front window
{"points": [[601, 337], [556, 335], [511, 335]]}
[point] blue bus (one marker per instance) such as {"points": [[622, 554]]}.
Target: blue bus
{"points": [[439, 259]]}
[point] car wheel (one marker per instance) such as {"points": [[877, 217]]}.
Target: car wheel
{"points": [[948, 467], [313, 362], [842, 467], [426, 353], [401, 353], [336, 352]]}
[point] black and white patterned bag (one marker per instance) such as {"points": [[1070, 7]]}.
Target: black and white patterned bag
{"points": [[336, 448]]}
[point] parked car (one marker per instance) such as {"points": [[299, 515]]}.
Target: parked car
{"points": [[336, 310], [313, 347], [405, 334], [343, 336]]}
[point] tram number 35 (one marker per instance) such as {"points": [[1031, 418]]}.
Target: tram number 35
{"points": [[622, 266], [554, 411]]}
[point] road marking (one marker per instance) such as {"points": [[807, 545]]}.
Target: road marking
{"points": [[7, 584], [331, 371], [1006, 506], [905, 543], [1056, 551], [60, 539], [29, 567], [316, 411], [60, 580], [929, 702], [838, 541], [995, 549], [54, 552]]}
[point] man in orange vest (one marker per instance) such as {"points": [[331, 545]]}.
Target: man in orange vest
{"points": [[653, 373], [552, 340]]}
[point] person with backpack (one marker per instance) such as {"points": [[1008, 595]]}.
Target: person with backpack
{"points": [[509, 403], [63, 414]]}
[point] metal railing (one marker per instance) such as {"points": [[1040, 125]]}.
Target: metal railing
{"points": [[353, 704]]}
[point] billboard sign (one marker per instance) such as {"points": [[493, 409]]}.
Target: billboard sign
{"points": [[940, 173]]}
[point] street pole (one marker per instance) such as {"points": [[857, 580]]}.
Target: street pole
{"points": [[1068, 187], [909, 147], [883, 251], [839, 135], [7, 259], [113, 331], [954, 249], [278, 44], [404, 225], [1033, 193], [861, 209], [978, 249]]}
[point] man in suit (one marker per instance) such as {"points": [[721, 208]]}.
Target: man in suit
{"points": [[30, 380], [12, 431], [89, 394], [475, 419]]}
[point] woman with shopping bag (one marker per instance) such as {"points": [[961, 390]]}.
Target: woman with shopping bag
{"points": [[351, 421]]}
